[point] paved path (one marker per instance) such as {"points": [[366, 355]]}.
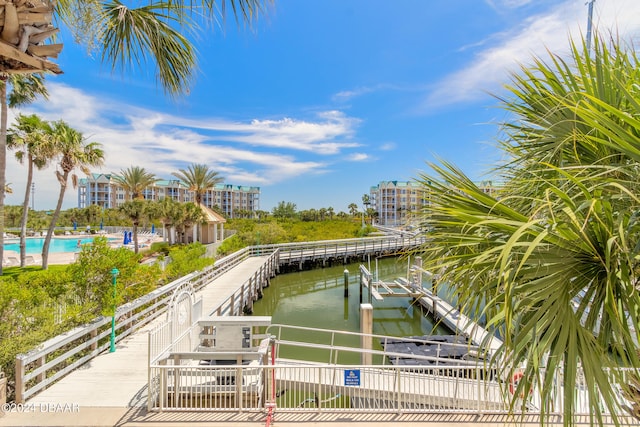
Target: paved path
{"points": [[119, 379]]}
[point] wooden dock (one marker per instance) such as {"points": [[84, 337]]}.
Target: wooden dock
{"points": [[119, 379]]}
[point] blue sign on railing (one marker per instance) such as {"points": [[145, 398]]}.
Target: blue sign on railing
{"points": [[352, 377]]}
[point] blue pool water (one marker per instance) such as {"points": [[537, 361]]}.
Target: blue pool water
{"points": [[34, 245]]}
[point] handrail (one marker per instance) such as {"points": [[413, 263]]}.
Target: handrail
{"points": [[278, 330]]}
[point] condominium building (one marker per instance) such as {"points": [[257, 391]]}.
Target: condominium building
{"points": [[232, 200], [394, 201]]}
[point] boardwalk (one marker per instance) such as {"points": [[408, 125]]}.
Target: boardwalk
{"points": [[120, 379]]}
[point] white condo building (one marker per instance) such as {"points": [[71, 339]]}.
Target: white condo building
{"points": [[104, 191], [396, 201]]}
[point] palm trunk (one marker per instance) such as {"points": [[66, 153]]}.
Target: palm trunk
{"points": [[3, 158], [54, 219], [25, 214]]}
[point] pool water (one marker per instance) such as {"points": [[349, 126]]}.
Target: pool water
{"points": [[34, 245]]}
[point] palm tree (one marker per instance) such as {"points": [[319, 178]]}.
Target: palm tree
{"points": [[30, 137], [135, 180], [25, 89], [151, 32], [168, 212], [136, 210], [353, 209], [189, 214], [199, 179], [552, 261], [73, 152]]}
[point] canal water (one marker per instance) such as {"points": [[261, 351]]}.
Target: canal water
{"points": [[315, 298]]}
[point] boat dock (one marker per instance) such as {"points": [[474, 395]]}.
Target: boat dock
{"points": [[438, 307]]}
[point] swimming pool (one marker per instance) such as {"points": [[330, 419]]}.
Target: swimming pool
{"points": [[34, 245]]}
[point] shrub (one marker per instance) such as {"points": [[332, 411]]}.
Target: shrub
{"points": [[186, 259]]}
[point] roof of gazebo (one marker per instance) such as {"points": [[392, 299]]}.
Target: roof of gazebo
{"points": [[211, 216]]}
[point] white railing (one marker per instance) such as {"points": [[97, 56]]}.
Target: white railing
{"points": [[318, 388], [298, 386], [326, 249]]}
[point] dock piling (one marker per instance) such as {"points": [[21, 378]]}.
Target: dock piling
{"points": [[346, 283]]}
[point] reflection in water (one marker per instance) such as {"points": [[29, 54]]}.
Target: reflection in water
{"points": [[315, 298]]}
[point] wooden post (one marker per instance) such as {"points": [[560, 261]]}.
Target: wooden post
{"points": [[418, 274], [40, 363], [346, 283], [19, 380], [366, 327], [94, 344], [361, 279], [3, 388]]}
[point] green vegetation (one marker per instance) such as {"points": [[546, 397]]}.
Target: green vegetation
{"points": [[555, 256], [249, 232]]}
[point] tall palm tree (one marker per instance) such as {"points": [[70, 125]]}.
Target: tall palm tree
{"points": [[135, 180], [552, 261], [198, 179], [30, 137], [73, 152], [25, 89]]}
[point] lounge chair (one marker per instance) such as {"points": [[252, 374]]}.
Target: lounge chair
{"points": [[11, 261]]}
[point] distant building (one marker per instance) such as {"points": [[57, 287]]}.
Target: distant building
{"points": [[395, 201], [232, 200]]}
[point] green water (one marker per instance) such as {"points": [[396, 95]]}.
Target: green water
{"points": [[315, 298]]}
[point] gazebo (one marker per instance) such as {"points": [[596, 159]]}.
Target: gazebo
{"points": [[209, 232]]}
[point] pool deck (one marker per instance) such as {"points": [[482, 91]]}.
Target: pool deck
{"points": [[59, 258]]}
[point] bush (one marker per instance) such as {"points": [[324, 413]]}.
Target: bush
{"points": [[160, 247], [93, 278], [186, 259]]}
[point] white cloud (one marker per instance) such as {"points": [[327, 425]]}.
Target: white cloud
{"points": [[388, 146], [551, 30], [257, 152], [358, 157]]}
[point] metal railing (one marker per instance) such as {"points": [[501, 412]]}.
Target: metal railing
{"points": [[180, 381], [317, 388], [326, 249]]}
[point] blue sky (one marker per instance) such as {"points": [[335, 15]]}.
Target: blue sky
{"points": [[322, 98]]}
